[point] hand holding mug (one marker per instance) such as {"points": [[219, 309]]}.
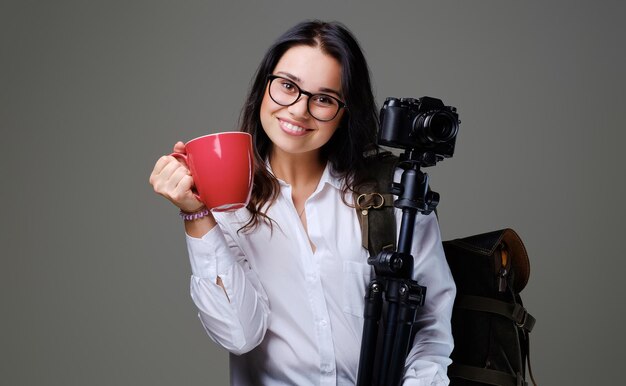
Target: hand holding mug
{"points": [[222, 168], [172, 180]]}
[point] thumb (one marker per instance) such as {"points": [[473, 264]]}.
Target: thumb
{"points": [[179, 147]]}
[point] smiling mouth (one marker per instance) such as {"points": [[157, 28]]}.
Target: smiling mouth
{"points": [[291, 128]]}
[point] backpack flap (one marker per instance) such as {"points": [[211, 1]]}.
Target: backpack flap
{"points": [[488, 245]]}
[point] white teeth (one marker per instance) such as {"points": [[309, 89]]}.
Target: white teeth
{"points": [[293, 127]]}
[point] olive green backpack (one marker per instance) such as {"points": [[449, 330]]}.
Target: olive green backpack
{"points": [[490, 325]]}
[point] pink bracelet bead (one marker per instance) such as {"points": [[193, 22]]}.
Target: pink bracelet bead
{"points": [[194, 215]]}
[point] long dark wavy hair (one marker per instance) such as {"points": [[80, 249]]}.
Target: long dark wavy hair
{"points": [[356, 133]]}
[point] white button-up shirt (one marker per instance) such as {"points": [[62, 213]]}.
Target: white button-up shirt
{"points": [[291, 316]]}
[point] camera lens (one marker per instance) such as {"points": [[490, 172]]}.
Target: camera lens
{"points": [[439, 126]]}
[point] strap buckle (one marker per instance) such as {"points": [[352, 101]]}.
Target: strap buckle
{"points": [[522, 318], [367, 201], [520, 315]]}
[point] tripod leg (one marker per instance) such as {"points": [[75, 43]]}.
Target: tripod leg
{"points": [[403, 299], [406, 317], [389, 332], [372, 314]]}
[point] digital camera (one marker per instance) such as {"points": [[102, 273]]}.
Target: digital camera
{"points": [[423, 124]]}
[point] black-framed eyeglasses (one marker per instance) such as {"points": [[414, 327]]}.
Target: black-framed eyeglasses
{"points": [[285, 92]]}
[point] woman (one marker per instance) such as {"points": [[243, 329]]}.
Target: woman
{"points": [[280, 284]]}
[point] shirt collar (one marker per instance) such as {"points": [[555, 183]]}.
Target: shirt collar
{"points": [[328, 177]]}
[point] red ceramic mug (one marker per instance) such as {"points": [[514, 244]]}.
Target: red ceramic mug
{"points": [[222, 167]]}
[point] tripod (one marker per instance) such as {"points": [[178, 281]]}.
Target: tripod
{"points": [[393, 282]]}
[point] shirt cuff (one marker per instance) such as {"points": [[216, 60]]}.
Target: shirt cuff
{"points": [[210, 255], [423, 373]]}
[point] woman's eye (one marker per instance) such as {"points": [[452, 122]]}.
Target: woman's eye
{"points": [[288, 86], [324, 100]]}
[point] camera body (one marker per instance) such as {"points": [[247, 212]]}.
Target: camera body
{"points": [[425, 125]]}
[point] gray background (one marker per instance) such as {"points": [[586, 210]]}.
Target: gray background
{"points": [[94, 275]]}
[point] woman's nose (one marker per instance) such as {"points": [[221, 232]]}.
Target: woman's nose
{"points": [[300, 108]]}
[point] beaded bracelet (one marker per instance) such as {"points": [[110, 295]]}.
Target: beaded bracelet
{"points": [[194, 215]]}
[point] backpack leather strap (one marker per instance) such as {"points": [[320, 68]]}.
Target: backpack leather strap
{"points": [[512, 311], [374, 205], [371, 208], [487, 376]]}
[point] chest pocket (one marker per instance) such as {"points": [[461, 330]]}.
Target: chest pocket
{"points": [[356, 280]]}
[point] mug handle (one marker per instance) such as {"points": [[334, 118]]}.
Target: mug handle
{"points": [[183, 157]]}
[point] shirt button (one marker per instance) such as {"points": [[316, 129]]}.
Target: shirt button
{"points": [[323, 323]]}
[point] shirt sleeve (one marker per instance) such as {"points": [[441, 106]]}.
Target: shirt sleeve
{"points": [[429, 357], [235, 316]]}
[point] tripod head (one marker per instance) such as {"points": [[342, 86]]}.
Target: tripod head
{"points": [[413, 190]]}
